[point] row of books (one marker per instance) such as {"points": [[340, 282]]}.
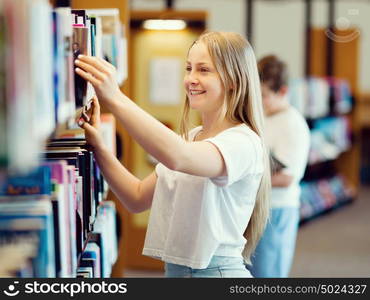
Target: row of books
{"points": [[329, 138], [317, 97], [39, 88], [323, 195], [56, 206], [100, 252]]}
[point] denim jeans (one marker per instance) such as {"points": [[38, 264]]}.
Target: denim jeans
{"points": [[275, 251], [219, 267]]}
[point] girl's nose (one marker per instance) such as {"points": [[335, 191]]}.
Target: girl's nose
{"points": [[192, 79]]}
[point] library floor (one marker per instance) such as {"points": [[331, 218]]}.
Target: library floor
{"points": [[334, 245]]}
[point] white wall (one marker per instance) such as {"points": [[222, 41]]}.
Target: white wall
{"points": [[225, 15], [147, 4], [278, 26]]}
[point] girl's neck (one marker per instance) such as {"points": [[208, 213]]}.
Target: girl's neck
{"points": [[211, 127]]}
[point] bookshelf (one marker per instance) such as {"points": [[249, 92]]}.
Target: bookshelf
{"points": [[124, 142], [53, 197], [330, 183]]}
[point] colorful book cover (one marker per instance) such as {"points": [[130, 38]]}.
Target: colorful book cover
{"points": [[66, 215], [38, 182], [33, 221], [91, 257]]}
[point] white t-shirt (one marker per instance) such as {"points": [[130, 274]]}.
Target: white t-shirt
{"points": [[288, 137], [193, 218]]}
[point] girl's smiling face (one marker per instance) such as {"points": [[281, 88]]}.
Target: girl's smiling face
{"points": [[202, 82]]}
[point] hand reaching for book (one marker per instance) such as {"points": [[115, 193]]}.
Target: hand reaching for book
{"points": [[92, 127], [102, 76]]}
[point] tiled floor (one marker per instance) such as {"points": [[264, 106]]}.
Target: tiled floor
{"points": [[334, 245], [337, 244]]}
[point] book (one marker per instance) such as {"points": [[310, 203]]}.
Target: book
{"points": [[105, 226], [37, 182], [80, 46], [65, 218], [91, 258], [65, 64], [276, 164], [30, 221], [15, 257]]}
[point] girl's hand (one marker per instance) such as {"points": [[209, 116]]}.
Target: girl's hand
{"points": [[102, 75], [92, 128]]}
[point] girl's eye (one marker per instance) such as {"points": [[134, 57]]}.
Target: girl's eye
{"points": [[204, 70], [188, 69]]}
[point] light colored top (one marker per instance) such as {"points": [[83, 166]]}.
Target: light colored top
{"points": [[193, 218], [288, 137]]}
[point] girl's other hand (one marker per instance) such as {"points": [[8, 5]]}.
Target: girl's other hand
{"points": [[92, 127], [102, 75]]}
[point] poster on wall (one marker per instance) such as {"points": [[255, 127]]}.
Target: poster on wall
{"points": [[165, 80]]}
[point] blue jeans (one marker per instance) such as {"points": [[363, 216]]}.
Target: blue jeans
{"points": [[219, 267], [275, 251]]}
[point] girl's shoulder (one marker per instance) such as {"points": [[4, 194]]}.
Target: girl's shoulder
{"points": [[241, 129]]}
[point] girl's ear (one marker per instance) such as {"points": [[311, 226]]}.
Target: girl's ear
{"points": [[283, 90], [231, 89]]}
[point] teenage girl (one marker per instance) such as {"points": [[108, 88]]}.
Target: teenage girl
{"points": [[208, 195]]}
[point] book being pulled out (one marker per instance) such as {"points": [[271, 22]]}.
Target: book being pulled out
{"points": [[276, 164]]}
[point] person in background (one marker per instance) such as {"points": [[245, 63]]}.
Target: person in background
{"points": [[288, 139], [208, 195]]}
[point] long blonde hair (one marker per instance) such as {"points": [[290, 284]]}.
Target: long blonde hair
{"points": [[236, 64]]}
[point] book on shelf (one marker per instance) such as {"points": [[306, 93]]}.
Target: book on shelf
{"points": [[84, 39], [39, 85], [85, 272], [73, 204], [82, 160], [329, 138], [15, 258], [28, 101], [322, 195], [65, 103], [91, 258], [30, 221], [319, 97], [112, 45], [64, 218], [105, 225], [80, 46], [37, 182]]}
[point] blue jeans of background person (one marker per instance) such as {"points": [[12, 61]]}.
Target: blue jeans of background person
{"points": [[219, 267], [275, 251]]}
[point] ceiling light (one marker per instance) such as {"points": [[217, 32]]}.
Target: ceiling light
{"points": [[164, 24]]}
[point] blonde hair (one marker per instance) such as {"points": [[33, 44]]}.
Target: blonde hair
{"points": [[236, 65]]}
